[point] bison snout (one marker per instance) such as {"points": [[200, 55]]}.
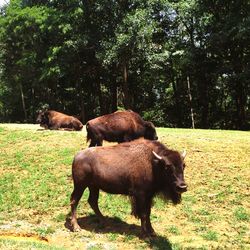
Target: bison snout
{"points": [[181, 188]]}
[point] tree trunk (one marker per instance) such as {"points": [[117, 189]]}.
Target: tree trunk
{"points": [[204, 104], [100, 96], [80, 96], [126, 101], [52, 95], [23, 102], [203, 83], [114, 94], [82, 112], [176, 102], [239, 88], [240, 104], [190, 102], [33, 104]]}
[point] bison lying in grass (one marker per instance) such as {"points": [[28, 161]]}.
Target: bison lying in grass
{"points": [[51, 119], [121, 126], [140, 169]]}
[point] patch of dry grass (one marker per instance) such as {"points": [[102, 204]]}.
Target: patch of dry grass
{"points": [[35, 184]]}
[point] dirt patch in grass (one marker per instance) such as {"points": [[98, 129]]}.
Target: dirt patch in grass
{"points": [[23, 236]]}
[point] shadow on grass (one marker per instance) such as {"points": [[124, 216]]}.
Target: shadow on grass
{"points": [[116, 225]]}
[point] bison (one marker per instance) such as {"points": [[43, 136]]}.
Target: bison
{"points": [[51, 119], [140, 169], [120, 126]]}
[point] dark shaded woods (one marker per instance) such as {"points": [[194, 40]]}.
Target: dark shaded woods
{"points": [[176, 64]]}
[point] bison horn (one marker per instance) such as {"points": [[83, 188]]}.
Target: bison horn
{"points": [[157, 156], [184, 153]]}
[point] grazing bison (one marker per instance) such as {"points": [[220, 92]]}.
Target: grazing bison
{"points": [[140, 169], [121, 126], [50, 119]]}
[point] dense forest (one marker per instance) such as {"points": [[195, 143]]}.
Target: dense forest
{"points": [[179, 63]]}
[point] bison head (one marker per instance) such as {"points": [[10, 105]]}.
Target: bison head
{"points": [[172, 174], [43, 119], [150, 132]]}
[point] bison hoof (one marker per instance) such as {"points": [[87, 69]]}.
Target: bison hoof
{"points": [[76, 228]]}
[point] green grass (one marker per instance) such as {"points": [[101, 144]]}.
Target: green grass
{"points": [[241, 214], [35, 184], [210, 235]]}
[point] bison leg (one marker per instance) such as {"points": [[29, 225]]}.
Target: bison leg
{"points": [[93, 201], [143, 210], [92, 143], [95, 142], [74, 200], [147, 229], [99, 142]]}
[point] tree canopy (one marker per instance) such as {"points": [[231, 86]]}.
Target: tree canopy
{"points": [[178, 63]]}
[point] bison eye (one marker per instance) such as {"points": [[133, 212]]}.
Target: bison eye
{"points": [[169, 167]]}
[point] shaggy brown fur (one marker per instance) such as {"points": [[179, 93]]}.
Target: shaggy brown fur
{"points": [[120, 126], [131, 169], [51, 119]]}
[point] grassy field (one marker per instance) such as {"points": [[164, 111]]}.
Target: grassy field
{"points": [[35, 187]]}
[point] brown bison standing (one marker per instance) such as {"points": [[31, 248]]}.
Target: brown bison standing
{"points": [[51, 119], [121, 126], [140, 169]]}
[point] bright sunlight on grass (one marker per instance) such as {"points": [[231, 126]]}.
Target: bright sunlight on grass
{"points": [[35, 184]]}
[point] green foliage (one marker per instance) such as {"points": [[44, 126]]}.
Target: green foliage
{"points": [[241, 214], [174, 230], [44, 231], [211, 235], [90, 58]]}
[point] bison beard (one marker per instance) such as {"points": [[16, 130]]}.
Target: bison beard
{"points": [[132, 169], [168, 193]]}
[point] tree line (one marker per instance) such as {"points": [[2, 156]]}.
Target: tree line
{"points": [[178, 63]]}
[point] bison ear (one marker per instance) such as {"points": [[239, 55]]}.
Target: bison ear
{"points": [[160, 161], [165, 161]]}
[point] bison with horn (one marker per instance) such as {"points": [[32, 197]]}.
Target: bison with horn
{"points": [[140, 169]]}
